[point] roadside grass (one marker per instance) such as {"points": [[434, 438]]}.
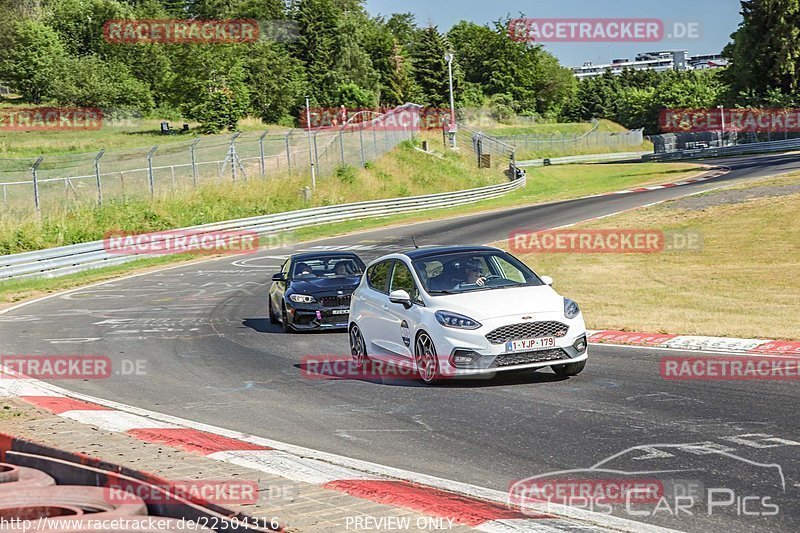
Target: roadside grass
{"points": [[402, 172], [115, 134], [564, 150], [743, 283], [545, 128], [544, 184]]}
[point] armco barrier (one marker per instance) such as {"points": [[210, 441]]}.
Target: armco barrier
{"points": [[64, 260], [739, 149], [589, 158]]}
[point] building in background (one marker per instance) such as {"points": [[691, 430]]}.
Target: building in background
{"points": [[659, 61]]}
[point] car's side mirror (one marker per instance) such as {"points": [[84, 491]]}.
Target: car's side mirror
{"points": [[400, 297], [280, 276], [547, 280]]}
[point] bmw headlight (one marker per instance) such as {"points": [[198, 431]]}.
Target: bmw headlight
{"points": [[302, 298], [571, 309], [454, 320]]}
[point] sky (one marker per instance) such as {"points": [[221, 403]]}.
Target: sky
{"points": [[717, 20]]}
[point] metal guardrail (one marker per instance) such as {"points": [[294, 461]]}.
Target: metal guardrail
{"points": [[589, 158], [63, 260], [739, 149]]}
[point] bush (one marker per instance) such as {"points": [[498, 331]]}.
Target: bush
{"points": [[346, 174]]}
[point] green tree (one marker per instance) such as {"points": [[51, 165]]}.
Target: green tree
{"points": [[33, 56], [276, 82], [764, 53], [90, 81], [430, 67]]}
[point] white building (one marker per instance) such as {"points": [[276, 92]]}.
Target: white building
{"points": [[657, 61]]}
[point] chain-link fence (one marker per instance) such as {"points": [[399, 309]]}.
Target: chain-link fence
{"points": [[592, 141], [63, 180]]}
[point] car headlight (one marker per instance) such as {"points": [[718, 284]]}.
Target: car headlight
{"points": [[302, 298], [454, 320], [571, 309]]}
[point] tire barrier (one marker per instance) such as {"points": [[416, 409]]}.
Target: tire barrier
{"points": [[30, 500], [13, 477], [72, 492], [69, 500]]}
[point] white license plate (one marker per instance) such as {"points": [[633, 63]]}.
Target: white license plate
{"points": [[340, 311], [525, 345]]}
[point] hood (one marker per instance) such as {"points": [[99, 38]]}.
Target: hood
{"points": [[495, 303], [315, 285]]}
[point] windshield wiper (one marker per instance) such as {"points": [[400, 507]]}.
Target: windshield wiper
{"points": [[444, 292]]}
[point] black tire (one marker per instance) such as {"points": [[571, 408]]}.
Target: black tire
{"points": [[358, 349], [426, 359], [287, 328], [569, 369], [273, 318]]}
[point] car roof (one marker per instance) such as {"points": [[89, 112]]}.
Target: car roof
{"points": [[307, 256], [428, 251]]}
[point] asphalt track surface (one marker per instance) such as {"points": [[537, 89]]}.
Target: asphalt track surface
{"points": [[212, 356]]}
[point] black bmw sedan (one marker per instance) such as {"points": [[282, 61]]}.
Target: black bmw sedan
{"points": [[312, 290]]}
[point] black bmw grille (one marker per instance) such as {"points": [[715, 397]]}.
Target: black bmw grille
{"points": [[524, 358], [335, 301], [527, 330]]}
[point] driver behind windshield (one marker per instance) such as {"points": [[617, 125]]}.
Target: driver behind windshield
{"points": [[473, 273]]}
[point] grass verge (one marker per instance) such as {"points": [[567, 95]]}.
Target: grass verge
{"points": [[544, 184], [402, 172], [742, 283]]}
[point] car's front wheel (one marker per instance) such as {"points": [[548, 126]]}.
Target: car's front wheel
{"points": [[426, 359], [287, 328], [273, 318], [358, 348], [569, 369]]}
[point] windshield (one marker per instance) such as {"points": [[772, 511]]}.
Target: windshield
{"points": [[458, 272], [328, 267]]}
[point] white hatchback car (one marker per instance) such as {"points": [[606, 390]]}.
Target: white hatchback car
{"points": [[463, 310]]}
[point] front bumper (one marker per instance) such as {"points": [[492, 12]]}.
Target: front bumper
{"points": [[318, 317], [489, 358]]}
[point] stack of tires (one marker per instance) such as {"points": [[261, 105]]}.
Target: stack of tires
{"points": [[30, 500]]}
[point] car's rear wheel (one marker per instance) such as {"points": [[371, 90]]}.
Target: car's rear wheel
{"points": [[426, 359], [358, 348], [569, 369], [285, 320], [273, 318]]}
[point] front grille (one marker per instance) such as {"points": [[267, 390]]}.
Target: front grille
{"points": [[524, 358], [335, 301], [527, 330]]}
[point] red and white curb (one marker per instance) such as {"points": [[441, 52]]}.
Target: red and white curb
{"points": [[704, 177], [467, 505], [695, 342]]}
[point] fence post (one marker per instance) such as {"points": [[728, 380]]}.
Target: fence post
{"points": [[150, 177], [34, 170], [341, 145], [261, 151], [5, 196], [232, 153], [97, 177], [194, 162], [288, 153], [316, 154], [361, 143]]}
